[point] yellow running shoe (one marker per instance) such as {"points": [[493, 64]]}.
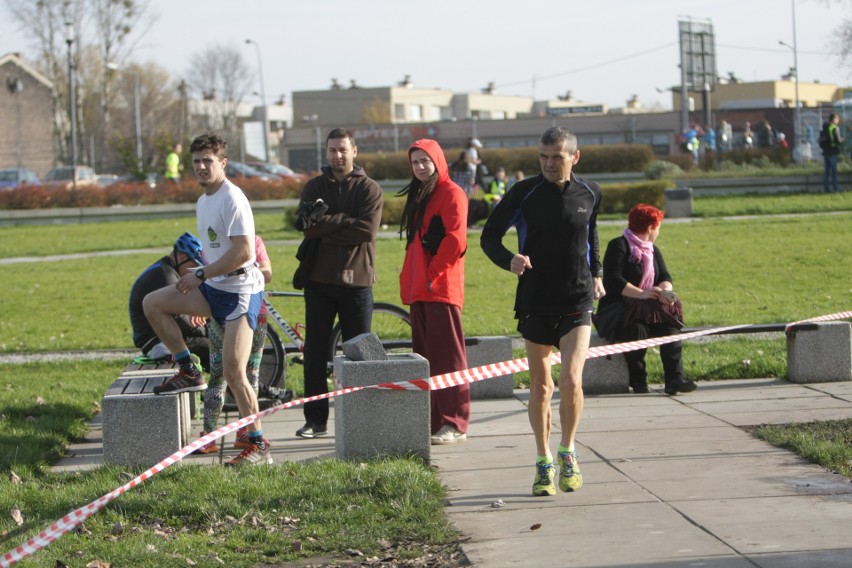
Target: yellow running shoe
{"points": [[570, 478], [543, 484]]}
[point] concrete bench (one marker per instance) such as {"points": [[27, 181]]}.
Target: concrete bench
{"points": [[816, 353], [605, 375], [485, 351], [820, 352], [373, 423], [140, 427]]}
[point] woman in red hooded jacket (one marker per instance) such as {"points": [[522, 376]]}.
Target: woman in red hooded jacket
{"points": [[432, 281]]}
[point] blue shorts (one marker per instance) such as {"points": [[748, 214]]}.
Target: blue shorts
{"points": [[228, 306], [548, 330]]}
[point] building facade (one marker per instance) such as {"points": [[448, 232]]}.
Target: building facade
{"points": [[26, 117]]}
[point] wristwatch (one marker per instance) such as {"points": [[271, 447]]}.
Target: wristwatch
{"points": [[199, 273]]}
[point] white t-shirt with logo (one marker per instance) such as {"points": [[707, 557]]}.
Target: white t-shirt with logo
{"points": [[226, 214]]}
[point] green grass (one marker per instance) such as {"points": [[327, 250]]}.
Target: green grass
{"points": [[46, 405], [247, 516], [827, 443], [756, 271], [723, 205], [727, 272], [43, 240], [763, 168], [244, 517]]}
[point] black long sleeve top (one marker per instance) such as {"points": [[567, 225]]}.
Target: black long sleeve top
{"points": [[557, 230]]}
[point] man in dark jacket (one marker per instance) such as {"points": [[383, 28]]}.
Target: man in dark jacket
{"points": [[830, 142], [340, 280]]}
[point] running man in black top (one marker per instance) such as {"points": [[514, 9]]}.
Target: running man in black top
{"points": [[559, 277]]}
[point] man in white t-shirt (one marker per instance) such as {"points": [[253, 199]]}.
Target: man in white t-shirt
{"points": [[473, 161], [229, 288]]}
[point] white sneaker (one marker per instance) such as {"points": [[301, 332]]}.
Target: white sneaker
{"points": [[448, 435]]}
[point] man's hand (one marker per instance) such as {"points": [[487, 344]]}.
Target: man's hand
{"points": [[600, 292], [310, 213], [187, 283], [520, 263]]}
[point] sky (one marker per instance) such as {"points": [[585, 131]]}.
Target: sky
{"points": [[603, 51]]}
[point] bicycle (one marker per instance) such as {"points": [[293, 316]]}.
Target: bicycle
{"points": [[392, 324]]}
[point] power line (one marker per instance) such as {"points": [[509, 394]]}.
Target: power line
{"points": [[775, 50], [589, 67]]}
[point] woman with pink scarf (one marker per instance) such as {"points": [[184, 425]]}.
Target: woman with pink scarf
{"points": [[640, 301]]}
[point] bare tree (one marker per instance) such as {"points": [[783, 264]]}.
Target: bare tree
{"points": [[159, 115], [841, 38], [222, 78], [120, 25], [108, 27]]}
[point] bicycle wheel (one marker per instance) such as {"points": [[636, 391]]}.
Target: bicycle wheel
{"points": [[272, 363], [391, 323]]}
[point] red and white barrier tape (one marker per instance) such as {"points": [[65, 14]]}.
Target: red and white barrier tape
{"points": [[75, 518], [829, 317]]}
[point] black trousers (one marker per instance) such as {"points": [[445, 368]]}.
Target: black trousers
{"points": [[670, 353], [324, 302]]}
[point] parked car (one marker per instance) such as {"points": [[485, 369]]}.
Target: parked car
{"points": [[104, 180], [150, 179], [12, 178], [68, 176], [279, 170], [235, 170]]}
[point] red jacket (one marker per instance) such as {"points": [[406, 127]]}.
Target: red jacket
{"points": [[438, 278]]}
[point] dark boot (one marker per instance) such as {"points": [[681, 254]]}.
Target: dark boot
{"points": [[636, 371], [681, 385], [670, 355]]}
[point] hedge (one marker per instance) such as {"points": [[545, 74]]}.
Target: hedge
{"points": [[618, 198], [759, 157], [593, 159], [621, 197], [134, 193]]}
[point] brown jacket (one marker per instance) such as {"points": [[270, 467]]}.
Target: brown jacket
{"points": [[347, 231]]}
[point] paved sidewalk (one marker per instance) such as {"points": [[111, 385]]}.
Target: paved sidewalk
{"points": [[669, 481]]}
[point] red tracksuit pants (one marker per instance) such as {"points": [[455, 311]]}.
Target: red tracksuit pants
{"points": [[437, 336]]}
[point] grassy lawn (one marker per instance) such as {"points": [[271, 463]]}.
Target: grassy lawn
{"points": [[827, 443], [719, 205], [763, 270], [246, 517]]}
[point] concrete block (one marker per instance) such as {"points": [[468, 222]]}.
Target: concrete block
{"points": [[605, 375], [820, 355], [678, 202], [365, 347], [372, 423], [485, 351], [143, 429]]}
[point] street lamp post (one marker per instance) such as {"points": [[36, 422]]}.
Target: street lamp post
{"points": [[314, 119], [138, 116], [797, 128], [72, 97], [262, 100]]}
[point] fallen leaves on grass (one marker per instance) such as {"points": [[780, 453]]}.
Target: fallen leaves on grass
{"points": [[17, 516]]}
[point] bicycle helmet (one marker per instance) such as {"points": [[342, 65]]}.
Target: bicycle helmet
{"points": [[190, 245]]}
